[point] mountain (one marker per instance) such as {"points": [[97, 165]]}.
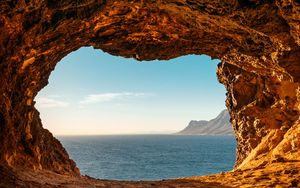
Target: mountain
{"points": [[218, 126]]}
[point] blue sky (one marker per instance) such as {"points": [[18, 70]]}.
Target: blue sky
{"points": [[91, 92]]}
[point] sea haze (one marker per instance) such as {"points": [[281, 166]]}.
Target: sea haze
{"points": [[150, 157]]}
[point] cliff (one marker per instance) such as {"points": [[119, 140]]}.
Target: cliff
{"points": [[217, 126], [258, 42]]}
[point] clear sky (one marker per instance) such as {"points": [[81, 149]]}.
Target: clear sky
{"points": [[91, 92]]}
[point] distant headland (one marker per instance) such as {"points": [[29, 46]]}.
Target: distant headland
{"points": [[217, 126]]}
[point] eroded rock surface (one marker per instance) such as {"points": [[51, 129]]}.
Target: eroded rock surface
{"points": [[258, 42]]}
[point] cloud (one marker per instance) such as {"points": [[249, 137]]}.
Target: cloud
{"points": [[46, 102], [108, 97]]}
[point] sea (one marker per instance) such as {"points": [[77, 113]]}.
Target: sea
{"points": [[150, 157]]}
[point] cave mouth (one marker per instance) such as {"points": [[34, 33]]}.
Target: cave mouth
{"points": [[260, 70], [88, 84]]}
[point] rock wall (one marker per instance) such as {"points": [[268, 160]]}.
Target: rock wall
{"points": [[258, 42]]}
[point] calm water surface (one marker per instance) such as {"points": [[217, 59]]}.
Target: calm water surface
{"points": [[150, 157]]}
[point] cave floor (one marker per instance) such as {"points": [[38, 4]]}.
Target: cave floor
{"points": [[279, 174]]}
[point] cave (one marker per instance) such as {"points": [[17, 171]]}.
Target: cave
{"points": [[121, 105], [257, 42]]}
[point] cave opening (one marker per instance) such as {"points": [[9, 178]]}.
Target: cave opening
{"points": [[258, 42], [112, 114]]}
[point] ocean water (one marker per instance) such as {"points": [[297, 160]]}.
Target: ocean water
{"points": [[150, 157]]}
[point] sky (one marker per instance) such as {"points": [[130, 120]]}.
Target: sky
{"points": [[93, 93]]}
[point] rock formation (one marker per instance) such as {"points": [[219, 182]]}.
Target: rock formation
{"points": [[217, 126], [258, 42]]}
